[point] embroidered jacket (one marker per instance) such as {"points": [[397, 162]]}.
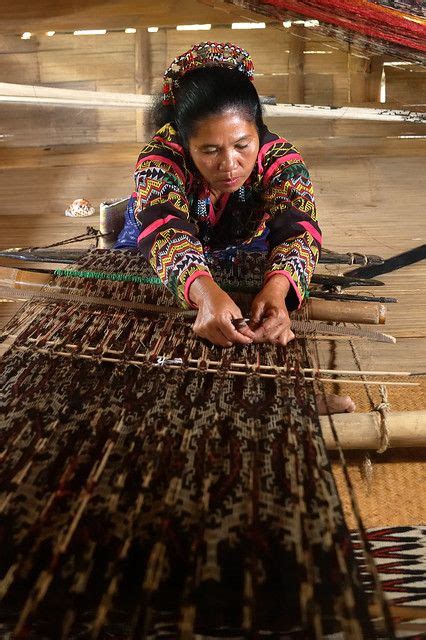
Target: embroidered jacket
{"points": [[274, 211]]}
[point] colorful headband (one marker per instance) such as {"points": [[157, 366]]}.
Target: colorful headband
{"points": [[205, 54]]}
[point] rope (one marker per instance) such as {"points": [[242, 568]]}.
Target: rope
{"points": [[383, 408], [366, 466]]}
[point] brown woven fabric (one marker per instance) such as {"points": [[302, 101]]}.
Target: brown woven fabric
{"points": [[147, 495]]}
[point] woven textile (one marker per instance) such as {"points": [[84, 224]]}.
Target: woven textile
{"points": [[400, 555], [144, 495]]}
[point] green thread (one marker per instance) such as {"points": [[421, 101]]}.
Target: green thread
{"points": [[129, 277], [102, 275]]}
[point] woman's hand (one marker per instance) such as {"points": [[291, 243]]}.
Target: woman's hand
{"points": [[216, 310], [270, 320]]}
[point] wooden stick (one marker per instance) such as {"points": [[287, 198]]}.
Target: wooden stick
{"points": [[52, 96], [361, 430], [346, 311]]}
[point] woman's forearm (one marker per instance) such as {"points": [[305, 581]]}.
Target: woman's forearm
{"points": [[203, 288]]}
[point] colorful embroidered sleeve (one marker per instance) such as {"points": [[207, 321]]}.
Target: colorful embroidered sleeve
{"points": [[294, 234], [167, 238]]}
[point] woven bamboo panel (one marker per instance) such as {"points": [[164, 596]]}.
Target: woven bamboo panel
{"points": [[392, 497]]}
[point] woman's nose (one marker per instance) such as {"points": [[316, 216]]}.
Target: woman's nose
{"points": [[227, 162]]}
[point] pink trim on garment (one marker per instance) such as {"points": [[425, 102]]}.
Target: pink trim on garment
{"points": [[190, 280], [282, 160], [289, 278], [163, 160], [168, 143], [262, 153], [311, 229], [152, 227]]}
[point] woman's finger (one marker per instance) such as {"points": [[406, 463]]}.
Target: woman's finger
{"points": [[242, 327], [272, 326], [257, 313], [276, 331], [285, 337], [217, 337], [231, 333], [275, 323]]}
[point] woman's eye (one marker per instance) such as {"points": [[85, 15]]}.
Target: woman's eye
{"points": [[209, 151], [241, 146]]}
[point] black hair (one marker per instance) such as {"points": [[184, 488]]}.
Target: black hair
{"points": [[205, 92]]}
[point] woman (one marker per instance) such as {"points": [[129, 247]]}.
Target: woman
{"points": [[214, 178]]}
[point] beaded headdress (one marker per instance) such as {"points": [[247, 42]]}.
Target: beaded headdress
{"points": [[205, 54]]}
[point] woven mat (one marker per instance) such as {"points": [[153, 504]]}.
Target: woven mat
{"points": [[400, 398]]}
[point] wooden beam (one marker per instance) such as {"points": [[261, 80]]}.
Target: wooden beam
{"points": [[361, 430], [50, 96], [358, 69], [296, 79], [375, 78], [143, 81]]}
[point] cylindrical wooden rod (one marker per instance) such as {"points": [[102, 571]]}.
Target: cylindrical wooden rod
{"points": [[349, 311], [361, 430], [23, 279]]}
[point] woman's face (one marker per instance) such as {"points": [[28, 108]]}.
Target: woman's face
{"points": [[224, 149]]}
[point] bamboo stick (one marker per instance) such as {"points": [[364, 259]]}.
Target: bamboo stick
{"points": [[38, 95], [346, 311], [361, 430]]}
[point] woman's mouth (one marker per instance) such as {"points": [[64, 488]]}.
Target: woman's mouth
{"points": [[229, 182]]}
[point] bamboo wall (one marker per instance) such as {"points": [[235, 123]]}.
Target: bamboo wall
{"points": [[296, 65]]}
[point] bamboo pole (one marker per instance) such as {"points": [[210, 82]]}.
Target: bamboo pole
{"points": [[346, 311], [19, 279], [361, 430], [52, 96]]}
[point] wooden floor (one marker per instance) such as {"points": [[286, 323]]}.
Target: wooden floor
{"points": [[370, 189]]}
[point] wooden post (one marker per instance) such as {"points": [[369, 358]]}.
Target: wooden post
{"points": [[358, 70], [143, 81], [375, 78], [296, 84]]}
